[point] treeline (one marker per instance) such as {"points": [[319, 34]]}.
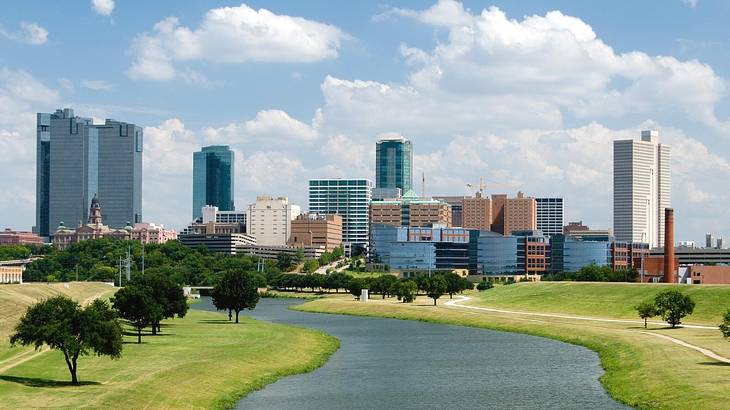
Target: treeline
{"points": [[433, 286], [13, 252], [595, 273], [98, 260]]}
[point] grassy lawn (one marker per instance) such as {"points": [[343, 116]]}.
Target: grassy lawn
{"points": [[614, 300], [356, 274], [200, 361], [641, 370]]}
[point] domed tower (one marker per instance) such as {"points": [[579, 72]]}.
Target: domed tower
{"points": [[95, 212]]}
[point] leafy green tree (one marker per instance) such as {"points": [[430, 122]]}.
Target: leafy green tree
{"points": [[435, 287], [383, 285], [62, 324], [484, 285], [408, 290], [235, 291], [646, 310], [672, 305], [165, 293], [137, 306], [284, 262], [725, 325], [310, 265], [454, 283], [11, 252], [355, 286]]}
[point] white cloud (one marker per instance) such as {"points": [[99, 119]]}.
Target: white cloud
{"points": [[97, 85], [690, 3], [30, 33], [103, 7], [232, 35], [270, 127]]}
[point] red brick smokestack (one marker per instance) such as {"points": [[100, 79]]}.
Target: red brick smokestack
{"points": [[669, 276]]}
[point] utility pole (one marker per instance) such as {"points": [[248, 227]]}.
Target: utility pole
{"points": [[77, 272], [120, 271], [129, 263], [143, 259]]}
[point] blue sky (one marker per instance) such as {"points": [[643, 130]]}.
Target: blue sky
{"points": [[529, 94]]}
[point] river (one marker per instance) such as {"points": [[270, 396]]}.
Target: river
{"points": [[399, 364]]}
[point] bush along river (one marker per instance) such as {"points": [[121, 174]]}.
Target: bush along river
{"points": [[400, 364]]}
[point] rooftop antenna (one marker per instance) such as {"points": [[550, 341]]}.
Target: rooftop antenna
{"points": [[423, 184]]}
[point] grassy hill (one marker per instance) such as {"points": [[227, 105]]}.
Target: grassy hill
{"points": [[200, 361], [614, 300]]}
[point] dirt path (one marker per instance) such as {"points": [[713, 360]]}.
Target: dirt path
{"points": [[455, 303], [706, 352]]}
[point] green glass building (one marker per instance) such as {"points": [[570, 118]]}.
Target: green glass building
{"points": [[213, 179], [394, 164]]}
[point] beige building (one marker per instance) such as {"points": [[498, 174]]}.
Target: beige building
{"points": [[147, 232], [315, 230], [476, 213], [94, 229], [11, 274], [410, 210], [520, 214], [269, 220]]}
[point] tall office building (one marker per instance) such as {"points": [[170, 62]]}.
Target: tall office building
{"points": [[457, 207], [641, 189], [350, 198], [477, 213], [550, 215], [269, 220], [393, 164], [213, 179], [77, 159]]}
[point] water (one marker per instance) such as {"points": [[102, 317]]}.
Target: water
{"points": [[399, 364]]}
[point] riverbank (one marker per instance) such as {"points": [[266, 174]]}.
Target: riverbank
{"points": [[200, 361], [641, 370]]}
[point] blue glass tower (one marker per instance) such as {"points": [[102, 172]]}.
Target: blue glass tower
{"points": [[213, 171]]}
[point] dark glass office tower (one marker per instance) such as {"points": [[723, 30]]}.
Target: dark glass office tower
{"points": [[213, 171], [394, 164], [77, 159]]}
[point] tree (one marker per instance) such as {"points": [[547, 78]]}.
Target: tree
{"points": [[310, 265], [235, 291], [63, 325], [135, 304], [355, 286], [725, 325], [167, 294], [435, 287], [484, 285], [672, 305], [454, 284], [646, 310], [407, 291], [383, 285]]}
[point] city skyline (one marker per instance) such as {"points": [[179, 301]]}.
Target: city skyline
{"points": [[327, 108]]}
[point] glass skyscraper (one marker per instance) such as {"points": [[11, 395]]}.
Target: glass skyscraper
{"points": [[394, 164], [213, 179], [77, 159]]}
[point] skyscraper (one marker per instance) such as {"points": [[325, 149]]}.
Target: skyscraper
{"points": [[77, 159], [641, 188], [269, 220], [393, 164], [550, 215], [350, 198], [213, 179]]}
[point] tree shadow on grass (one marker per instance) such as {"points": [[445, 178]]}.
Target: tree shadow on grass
{"points": [[216, 321], [720, 364], [38, 382]]}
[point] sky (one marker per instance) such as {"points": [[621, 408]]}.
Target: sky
{"points": [[525, 95]]}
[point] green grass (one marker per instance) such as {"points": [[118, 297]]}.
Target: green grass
{"points": [[356, 274], [615, 300], [200, 361], [640, 370]]}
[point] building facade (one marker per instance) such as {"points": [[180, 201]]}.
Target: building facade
{"points": [[213, 178], [476, 213], [77, 160], [570, 253], [641, 188], [349, 198], [410, 210], [10, 237], [394, 163], [316, 230], [216, 221], [574, 227], [269, 220], [227, 243], [550, 212], [147, 232], [456, 203], [520, 214], [93, 229]]}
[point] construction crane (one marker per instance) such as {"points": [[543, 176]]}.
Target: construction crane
{"points": [[482, 186]]}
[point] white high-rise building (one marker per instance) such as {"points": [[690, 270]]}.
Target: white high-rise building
{"points": [[550, 215], [350, 198], [269, 220], [642, 188]]}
